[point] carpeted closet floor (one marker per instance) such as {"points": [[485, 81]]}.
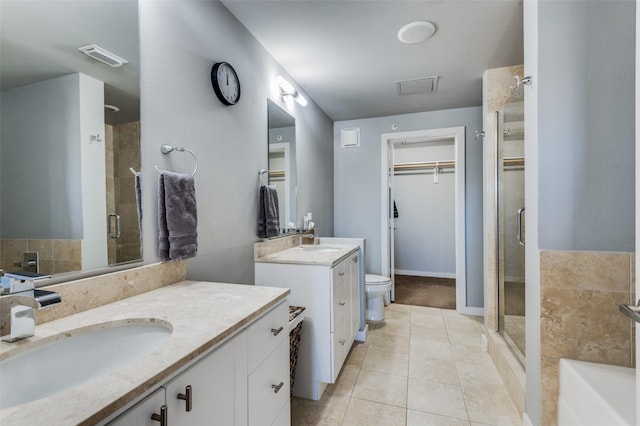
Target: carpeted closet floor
{"points": [[426, 291]]}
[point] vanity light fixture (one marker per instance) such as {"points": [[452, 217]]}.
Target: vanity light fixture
{"points": [[416, 32], [288, 91], [103, 55]]}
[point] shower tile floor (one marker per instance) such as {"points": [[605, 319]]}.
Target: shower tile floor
{"points": [[420, 366]]}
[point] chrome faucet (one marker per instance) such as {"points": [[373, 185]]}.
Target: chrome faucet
{"points": [[17, 319]]}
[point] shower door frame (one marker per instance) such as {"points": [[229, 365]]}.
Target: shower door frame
{"points": [[458, 134]]}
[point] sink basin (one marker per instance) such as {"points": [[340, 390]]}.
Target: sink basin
{"points": [[321, 249], [69, 359]]}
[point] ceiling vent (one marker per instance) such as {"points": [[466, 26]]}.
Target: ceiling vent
{"points": [[103, 55], [418, 86]]}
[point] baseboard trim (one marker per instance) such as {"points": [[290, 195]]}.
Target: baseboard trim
{"points": [[361, 336], [470, 310], [451, 275]]}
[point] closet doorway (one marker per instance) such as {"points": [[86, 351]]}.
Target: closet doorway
{"points": [[423, 230]]}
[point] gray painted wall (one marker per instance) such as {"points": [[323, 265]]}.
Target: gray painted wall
{"points": [[586, 125], [40, 144], [579, 112], [180, 41], [357, 185]]}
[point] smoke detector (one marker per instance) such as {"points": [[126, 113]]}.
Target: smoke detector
{"points": [[418, 86], [103, 55]]}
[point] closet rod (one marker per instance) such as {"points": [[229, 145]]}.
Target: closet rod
{"points": [[276, 174], [424, 165], [513, 161]]}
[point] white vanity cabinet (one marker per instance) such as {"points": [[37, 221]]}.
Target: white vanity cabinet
{"points": [[245, 381], [141, 413], [213, 391], [330, 294]]}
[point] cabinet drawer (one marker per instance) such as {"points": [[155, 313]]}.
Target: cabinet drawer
{"points": [[340, 346], [264, 402], [267, 333]]}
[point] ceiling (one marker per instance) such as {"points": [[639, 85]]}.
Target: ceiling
{"points": [[347, 57], [39, 40]]}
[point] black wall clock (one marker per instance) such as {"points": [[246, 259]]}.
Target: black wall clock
{"points": [[225, 83]]}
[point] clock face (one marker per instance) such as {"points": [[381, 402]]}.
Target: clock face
{"points": [[225, 83]]}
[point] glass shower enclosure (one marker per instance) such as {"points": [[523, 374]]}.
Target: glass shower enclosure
{"points": [[511, 223]]}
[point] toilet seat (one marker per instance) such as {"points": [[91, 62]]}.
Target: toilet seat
{"points": [[372, 279]]}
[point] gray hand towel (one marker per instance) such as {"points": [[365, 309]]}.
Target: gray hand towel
{"points": [[177, 217], [268, 212]]}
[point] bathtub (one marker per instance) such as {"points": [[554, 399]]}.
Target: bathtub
{"points": [[596, 394]]}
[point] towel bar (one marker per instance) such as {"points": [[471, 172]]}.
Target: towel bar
{"points": [[166, 149]]}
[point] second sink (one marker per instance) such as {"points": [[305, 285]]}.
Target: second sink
{"points": [[321, 249], [69, 359]]}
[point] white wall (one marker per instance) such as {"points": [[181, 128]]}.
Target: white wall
{"points": [[425, 227], [357, 185], [180, 42], [93, 171], [40, 144], [580, 189]]}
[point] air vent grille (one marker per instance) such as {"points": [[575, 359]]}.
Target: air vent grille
{"points": [[103, 55], [418, 86]]}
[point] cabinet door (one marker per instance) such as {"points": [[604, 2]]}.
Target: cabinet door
{"points": [[218, 388], [269, 387], [140, 414]]}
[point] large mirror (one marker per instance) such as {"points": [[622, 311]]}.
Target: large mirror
{"points": [[282, 163], [70, 135]]}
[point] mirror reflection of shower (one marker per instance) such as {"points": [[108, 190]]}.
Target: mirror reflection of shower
{"points": [[512, 224]]}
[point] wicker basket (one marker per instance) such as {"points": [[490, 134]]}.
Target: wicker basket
{"points": [[295, 327]]}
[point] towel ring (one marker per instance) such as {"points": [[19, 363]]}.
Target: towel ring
{"points": [[166, 149], [262, 172]]}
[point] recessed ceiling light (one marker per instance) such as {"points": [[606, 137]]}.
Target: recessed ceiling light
{"points": [[111, 108], [416, 32]]}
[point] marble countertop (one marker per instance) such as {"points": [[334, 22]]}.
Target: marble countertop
{"points": [[202, 314], [311, 254]]}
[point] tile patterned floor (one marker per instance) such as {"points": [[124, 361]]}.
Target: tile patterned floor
{"points": [[421, 366]]}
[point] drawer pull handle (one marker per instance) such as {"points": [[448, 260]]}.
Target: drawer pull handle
{"points": [[186, 397], [162, 417], [276, 331], [342, 341], [341, 303], [276, 388], [341, 274]]}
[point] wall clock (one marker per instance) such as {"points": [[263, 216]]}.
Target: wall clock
{"points": [[225, 83]]}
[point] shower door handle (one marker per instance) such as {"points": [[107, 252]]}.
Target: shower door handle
{"points": [[113, 234], [519, 226]]}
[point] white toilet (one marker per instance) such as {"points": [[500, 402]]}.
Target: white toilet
{"points": [[376, 288]]}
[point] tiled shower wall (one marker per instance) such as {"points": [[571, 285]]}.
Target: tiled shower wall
{"points": [[123, 153], [55, 256], [580, 293]]}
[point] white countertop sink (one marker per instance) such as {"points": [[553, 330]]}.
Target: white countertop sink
{"points": [[78, 356], [320, 249]]}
